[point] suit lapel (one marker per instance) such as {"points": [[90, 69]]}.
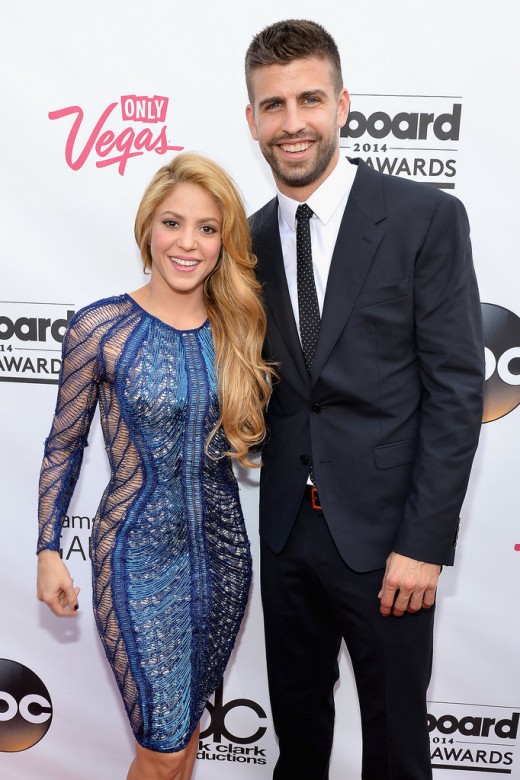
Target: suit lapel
{"points": [[358, 239], [271, 272]]}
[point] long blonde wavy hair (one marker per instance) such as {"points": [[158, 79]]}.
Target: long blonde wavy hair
{"points": [[232, 296]]}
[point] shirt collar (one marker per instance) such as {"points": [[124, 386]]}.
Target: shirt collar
{"points": [[325, 200]]}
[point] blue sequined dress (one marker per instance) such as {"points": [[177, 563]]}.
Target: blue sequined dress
{"points": [[171, 564]]}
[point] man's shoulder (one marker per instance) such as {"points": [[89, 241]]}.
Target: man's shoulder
{"points": [[264, 218]]}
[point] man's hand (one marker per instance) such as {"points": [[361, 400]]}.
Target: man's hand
{"points": [[408, 585], [55, 585]]}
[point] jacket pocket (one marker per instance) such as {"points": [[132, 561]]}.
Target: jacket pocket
{"points": [[389, 455], [382, 294]]}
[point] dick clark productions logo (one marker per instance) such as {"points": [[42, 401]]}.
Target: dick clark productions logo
{"points": [[112, 142], [232, 731], [25, 707]]}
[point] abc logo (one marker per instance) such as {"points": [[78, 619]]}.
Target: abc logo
{"points": [[502, 349], [25, 707]]}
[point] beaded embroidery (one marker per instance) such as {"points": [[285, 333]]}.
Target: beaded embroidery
{"points": [[171, 564]]}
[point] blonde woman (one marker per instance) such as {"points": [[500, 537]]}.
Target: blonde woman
{"points": [[177, 370]]}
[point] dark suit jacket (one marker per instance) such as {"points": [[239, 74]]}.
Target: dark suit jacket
{"points": [[391, 411]]}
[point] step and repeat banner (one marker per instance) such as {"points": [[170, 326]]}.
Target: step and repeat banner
{"points": [[95, 97]]}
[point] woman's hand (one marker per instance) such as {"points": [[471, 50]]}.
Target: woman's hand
{"points": [[55, 586]]}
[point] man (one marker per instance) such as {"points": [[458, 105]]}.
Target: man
{"points": [[375, 420]]}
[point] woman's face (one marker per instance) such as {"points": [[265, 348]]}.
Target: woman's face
{"points": [[186, 239]]}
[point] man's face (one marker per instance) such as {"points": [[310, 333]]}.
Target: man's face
{"points": [[295, 117]]}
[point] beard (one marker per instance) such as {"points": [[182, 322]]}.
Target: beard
{"points": [[305, 172]]}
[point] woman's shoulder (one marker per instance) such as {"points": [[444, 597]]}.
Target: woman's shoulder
{"points": [[101, 312]]}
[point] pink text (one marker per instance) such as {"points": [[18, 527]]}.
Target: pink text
{"points": [[111, 148], [139, 108]]}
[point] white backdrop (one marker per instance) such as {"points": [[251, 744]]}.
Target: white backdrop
{"points": [[67, 240]]}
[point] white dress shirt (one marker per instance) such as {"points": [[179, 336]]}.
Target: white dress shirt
{"points": [[328, 204]]}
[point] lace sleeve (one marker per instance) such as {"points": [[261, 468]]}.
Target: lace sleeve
{"points": [[77, 398]]}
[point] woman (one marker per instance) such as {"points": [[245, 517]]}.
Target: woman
{"points": [[176, 367]]}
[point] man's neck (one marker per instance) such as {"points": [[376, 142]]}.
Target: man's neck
{"points": [[302, 194]]}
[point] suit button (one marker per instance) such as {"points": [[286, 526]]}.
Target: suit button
{"points": [[315, 408], [305, 459]]}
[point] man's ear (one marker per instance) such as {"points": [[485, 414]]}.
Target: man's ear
{"points": [[250, 116], [343, 107]]}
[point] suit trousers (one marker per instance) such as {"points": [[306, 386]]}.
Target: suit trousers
{"points": [[312, 600]]}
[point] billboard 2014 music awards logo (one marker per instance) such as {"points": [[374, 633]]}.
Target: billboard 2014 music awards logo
{"points": [[114, 143], [414, 136], [31, 335], [232, 732], [25, 707], [471, 737]]}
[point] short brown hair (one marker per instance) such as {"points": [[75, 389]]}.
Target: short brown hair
{"points": [[292, 39]]}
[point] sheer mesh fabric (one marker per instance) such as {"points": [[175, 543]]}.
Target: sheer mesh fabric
{"points": [[170, 557]]}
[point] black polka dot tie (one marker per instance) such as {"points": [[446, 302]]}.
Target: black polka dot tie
{"points": [[308, 309]]}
